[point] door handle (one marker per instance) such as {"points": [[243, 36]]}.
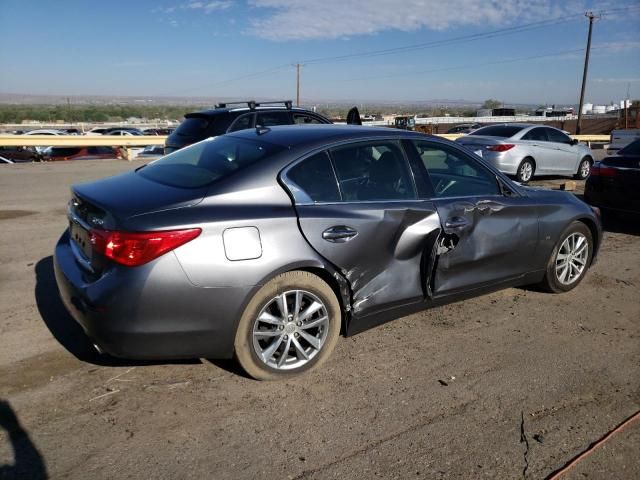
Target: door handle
{"points": [[484, 205], [339, 234], [456, 222]]}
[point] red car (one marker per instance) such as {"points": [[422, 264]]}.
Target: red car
{"points": [[81, 153]]}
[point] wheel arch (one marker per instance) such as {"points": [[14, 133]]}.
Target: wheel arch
{"points": [[330, 275], [595, 234]]}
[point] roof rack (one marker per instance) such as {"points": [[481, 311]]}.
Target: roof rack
{"points": [[252, 104]]}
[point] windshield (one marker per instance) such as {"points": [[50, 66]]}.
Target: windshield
{"points": [[504, 131], [205, 162]]}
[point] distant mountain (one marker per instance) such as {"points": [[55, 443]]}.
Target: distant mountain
{"points": [[28, 99]]}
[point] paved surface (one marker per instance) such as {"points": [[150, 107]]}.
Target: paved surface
{"points": [[512, 384]]}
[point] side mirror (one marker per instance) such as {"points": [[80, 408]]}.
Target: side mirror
{"points": [[575, 141]]}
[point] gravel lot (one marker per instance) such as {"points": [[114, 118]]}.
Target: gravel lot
{"points": [[512, 384]]}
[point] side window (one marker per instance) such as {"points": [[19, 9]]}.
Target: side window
{"points": [[537, 134], [301, 118], [557, 136], [372, 171], [271, 119], [241, 123], [314, 177], [454, 174]]}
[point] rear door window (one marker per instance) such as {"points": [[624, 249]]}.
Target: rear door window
{"points": [[193, 127], [369, 171], [537, 134], [242, 123], [271, 119], [314, 178]]}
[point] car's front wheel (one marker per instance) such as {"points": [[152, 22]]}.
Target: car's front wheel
{"points": [[584, 169], [290, 326], [570, 259]]}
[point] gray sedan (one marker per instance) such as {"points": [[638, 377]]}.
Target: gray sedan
{"points": [[267, 244], [525, 150]]}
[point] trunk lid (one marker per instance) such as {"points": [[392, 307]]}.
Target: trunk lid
{"points": [[104, 203]]}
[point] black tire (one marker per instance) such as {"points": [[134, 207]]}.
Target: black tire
{"points": [[583, 172], [551, 282], [522, 174], [245, 350]]}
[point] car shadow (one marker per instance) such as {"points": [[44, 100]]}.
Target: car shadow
{"points": [[67, 331], [27, 460]]}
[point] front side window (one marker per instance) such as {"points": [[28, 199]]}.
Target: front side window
{"points": [[301, 118], [557, 136], [314, 178], [371, 171], [205, 162], [271, 119], [454, 174]]}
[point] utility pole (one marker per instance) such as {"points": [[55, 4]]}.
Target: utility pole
{"points": [[298, 84], [591, 18]]}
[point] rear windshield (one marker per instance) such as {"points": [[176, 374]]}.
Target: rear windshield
{"points": [[205, 162], [632, 149], [504, 131], [193, 127]]}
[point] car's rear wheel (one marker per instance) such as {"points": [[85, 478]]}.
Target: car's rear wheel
{"points": [[290, 326], [570, 259], [525, 170], [584, 169]]}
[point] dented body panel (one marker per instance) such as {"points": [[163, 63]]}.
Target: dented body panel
{"points": [[382, 262]]}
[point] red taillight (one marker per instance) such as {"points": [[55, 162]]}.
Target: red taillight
{"points": [[137, 248], [600, 171], [502, 147]]}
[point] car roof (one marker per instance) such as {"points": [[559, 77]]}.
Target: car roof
{"points": [[309, 135], [223, 110]]}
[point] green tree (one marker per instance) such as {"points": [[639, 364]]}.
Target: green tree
{"points": [[491, 104]]}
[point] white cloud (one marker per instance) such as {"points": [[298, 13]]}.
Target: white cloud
{"points": [[616, 80], [618, 46], [210, 6], [330, 19]]}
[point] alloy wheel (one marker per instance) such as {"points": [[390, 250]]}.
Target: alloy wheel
{"points": [[585, 169], [290, 330], [571, 259], [526, 171]]}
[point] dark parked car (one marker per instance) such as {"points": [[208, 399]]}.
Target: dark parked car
{"points": [[614, 183], [230, 117], [54, 154], [266, 243], [464, 128], [20, 154]]}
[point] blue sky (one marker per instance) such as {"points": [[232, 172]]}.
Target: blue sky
{"points": [[227, 48]]}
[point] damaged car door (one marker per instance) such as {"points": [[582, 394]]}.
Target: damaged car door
{"points": [[358, 207], [489, 233]]}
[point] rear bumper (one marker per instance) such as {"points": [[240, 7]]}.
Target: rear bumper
{"points": [[149, 312]]}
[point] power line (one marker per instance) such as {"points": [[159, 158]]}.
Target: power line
{"points": [[409, 48], [466, 66]]}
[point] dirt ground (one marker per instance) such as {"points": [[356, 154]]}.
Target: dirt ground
{"points": [[512, 384]]}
